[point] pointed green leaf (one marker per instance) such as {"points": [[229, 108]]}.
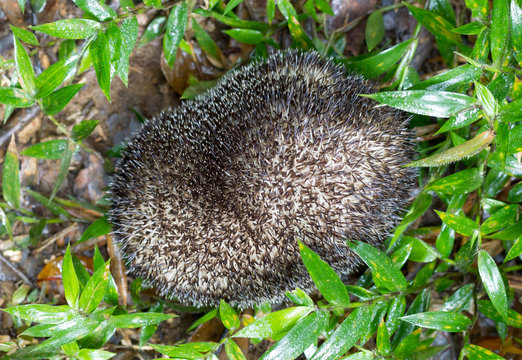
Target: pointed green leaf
{"points": [[460, 224], [499, 31], [462, 182], [56, 101], [93, 292], [228, 316], [15, 97], [500, 219], [97, 9], [323, 276], [475, 352], [386, 276], [136, 320], [70, 28], [64, 167], [24, 35], [41, 313], [374, 30], [84, 129], [50, 150], [53, 76], [71, 287], [100, 56], [247, 36], [233, 350], [439, 320], [11, 176], [274, 323], [493, 283], [24, 68], [129, 35]]}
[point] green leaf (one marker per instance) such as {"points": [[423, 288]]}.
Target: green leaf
{"points": [[514, 319], [100, 56], [99, 227], [209, 316], [435, 24], [93, 292], [374, 30], [300, 37], [24, 68], [345, 335], [11, 176], [15, 97], [420, 304], [50, 150], [515, 194], [462, 118], [54, 75], [323, 276], [64, 167], [71, 286], [467, 149], [486, 100], [515, 250], [299, 297], [62, 337], [178, 352], [21, 4], [233, 22], [421, 252], [130, 321], [385, 274], [228, 316], [129, 35], [462, 182], [493, 283], [70, 28], [231, 5], [472, 28], [450, 80], [499, 31], [204, 40], [516, 29], [299, 338], [383, 339], [83, 129], [153, 30], [396, 309], [113, 34], [6, 223], [439, 320], [460, 224], [274, 323], [324, 6], [24, 35], [500, 219], [376, 65], [175, 30], [510, 233], [270, 10], [287, 9], [56, 101], [247, 36], [475, 352], [460, 299], [479, 8], [52, 206], [41, 313], [233, 350], [419, 207], [424, 102], [97, 9]]}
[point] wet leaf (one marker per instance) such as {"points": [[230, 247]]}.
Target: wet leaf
{"points": [[475, 352], [174, 31], [439, 320], [435, 24], [228, 316], [97, 9], [462, 182], [472, 28], [15, 97], [299, 338], [233, 350], [41, 313], [153, 30], [70, 28], [515, 250], [64, 167], [100, 56], [56, 101], [450, 80], [516, 29], [300, 298], [460, 224], [460, 299], [345, 335], [247, 36], [71, 287], [50, 150], [93, 292], [386, 276], [323, 276], [493, 283], [374, 30], [205, 41], [136, 320], [500, 219], [274, 323], [53, 76], [424, 102], [499, 31], [24, 35], [460, 119], [11, 176], [24, 68], [465, 150]]}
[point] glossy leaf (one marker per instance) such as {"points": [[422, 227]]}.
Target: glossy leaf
{"points": [[70, 28], [460, 299], [71, 286], [247, 36], [41, 313], [439, 320], [52, 206], [64, 167], [209, 316], [465, 150], [486, 100], [53, 76], [420, 304], [153, 30], [24, 35], [376, 65], [299, 338], [233, 350], [499, 219], [174, 31], [15, 97], [435, 24], [396, 309], [475, 352], [83, 129], [421, 252], [131, 321], [462, 182], [472, 28], [384, 272], [515, 251], [231, 5], [100, 56], [24, 68], [56, 101], [460, 224], [499, 31], [493, 283], [323, 276], [424, 102], [300, 298], [228, 316], [513, 319], [11, 176], [450, 80], [93, 292], [462, 118], [274, 323], [129, 35], [515, 194], [516, 29], [205, 41], [383, 339], [345, 335], [50, 150], [96, 8]]}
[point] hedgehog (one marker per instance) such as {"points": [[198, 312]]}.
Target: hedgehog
{"points": [[210, 198]]}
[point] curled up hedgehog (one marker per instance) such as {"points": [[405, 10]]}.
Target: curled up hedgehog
{"points": [[210, 197]]}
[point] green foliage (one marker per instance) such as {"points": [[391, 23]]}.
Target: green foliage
{"points": [[474, 155]]}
